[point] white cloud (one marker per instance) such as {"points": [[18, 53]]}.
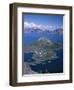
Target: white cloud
{"points": [[27, 25], [32, 26]]}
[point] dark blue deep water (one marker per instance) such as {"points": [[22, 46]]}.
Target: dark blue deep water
{"points": [[55, 66]]}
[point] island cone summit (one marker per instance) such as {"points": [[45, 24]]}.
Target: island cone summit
{"points": [[43, 50]]}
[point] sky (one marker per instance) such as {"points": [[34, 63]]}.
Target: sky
{"points": [[53, 21]]}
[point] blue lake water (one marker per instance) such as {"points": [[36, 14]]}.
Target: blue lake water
{"points": [[55, 66], [32, 37]]}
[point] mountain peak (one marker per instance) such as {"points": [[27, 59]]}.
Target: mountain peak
{"points": [[43, 39]]}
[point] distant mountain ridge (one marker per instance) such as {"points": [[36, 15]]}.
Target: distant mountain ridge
{"points": [[32, 27], [30, 30]]}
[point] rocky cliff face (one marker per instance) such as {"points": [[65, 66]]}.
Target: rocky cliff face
{"points": [[27, 69]]}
